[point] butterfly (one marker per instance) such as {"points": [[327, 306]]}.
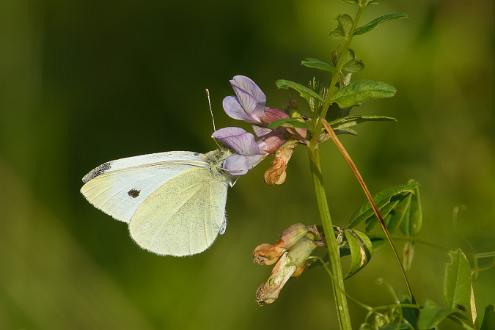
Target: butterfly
{"points": [[173, 202]]}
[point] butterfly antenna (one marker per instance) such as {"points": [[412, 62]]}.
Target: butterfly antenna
{"points": [[211, 113], [211, 110]]}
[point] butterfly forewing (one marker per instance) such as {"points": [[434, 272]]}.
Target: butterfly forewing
{"points": [[120, 186]]}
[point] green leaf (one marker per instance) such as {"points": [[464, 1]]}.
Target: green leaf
{"points": [[382, 199], [360, 248], [353, 66], [350, 121], [410, 314], [360, 91], [415, 214], [382, 19], [400, 213], [457, 285], [303, 91], [287, 122], [488, 318], [315, 63], [344, 26], [407, 255], [431, 315], [385, 210]]}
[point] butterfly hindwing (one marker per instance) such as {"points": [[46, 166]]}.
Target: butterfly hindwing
{"points": [[184, 216]]}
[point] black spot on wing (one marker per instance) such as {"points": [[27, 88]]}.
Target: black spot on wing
{"points": [[134, 193], [96, 172]]}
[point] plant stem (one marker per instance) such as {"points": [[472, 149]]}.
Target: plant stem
{"points": [[369, 197], [332, 246]]}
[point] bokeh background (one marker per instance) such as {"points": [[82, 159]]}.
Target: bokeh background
{"points": [[85, 81]]}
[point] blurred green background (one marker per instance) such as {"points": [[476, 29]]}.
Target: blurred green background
{"points": [[86, 81]]}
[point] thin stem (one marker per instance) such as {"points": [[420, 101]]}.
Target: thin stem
{"points": [[334, 78], [330, 274], [369, 197], [419, 241], [332, 246]]}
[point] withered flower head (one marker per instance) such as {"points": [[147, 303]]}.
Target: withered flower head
{"points": [[290, 253], [276, 173]]}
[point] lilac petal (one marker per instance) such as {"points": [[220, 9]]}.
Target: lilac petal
{"points": [[261, 131], [234, 110], [249, 87], [237, 165], [238, 140], [250, 96]]}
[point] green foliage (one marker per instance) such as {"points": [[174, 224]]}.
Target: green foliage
{"points": [[360, 91], [315, 63], [488, 318], [382, 19], [303, 91], [344, 27], [431, 315], [457, 287], [288, 122], [353, 66], [360, 248], [395, 205], [351, 121]]}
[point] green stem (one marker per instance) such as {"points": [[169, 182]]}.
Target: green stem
{"points": [[332, 246], [334, 78]]}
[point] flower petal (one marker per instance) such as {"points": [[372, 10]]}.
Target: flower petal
{"points": [[238, 140], [261, 131], [272, 114], [250, 96], [238, 165], [234, 110], [272, 141], [249, 87]]}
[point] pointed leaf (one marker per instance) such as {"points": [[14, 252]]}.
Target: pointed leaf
{"points": [[360, 91], [407, 255], [350, 121], [431, 315], [360, 248], [385, 210], [457, 282], [400, 213], [315, 63], [382, 199], [287, 122], [410, 314], [488, 318], [415, 213], [353, 66], [303, 91], [382, 19]]}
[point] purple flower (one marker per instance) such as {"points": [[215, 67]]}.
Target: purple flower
{"points": [[248, 104], [247, 152]]}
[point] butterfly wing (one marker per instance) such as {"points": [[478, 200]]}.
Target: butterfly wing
{"points": [[119, 187], [184, 216]]}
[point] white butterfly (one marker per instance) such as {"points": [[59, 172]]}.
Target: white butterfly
{"points": [[174, 202]]}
